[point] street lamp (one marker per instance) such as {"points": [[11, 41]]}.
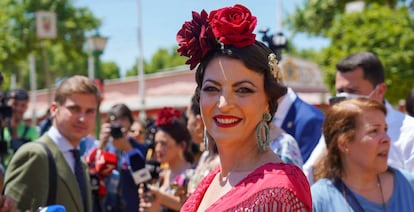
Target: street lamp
{"points": [[276, 42], [96, 44]]}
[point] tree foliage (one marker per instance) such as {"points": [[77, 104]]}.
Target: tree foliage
{"points": [[161, 60], [385, 29], [62, 56], [110, 70]]}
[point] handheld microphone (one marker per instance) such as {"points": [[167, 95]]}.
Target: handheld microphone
{"points": [[140, 174], [154, 167]]}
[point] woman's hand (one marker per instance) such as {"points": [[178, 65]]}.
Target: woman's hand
{"points": [[121, 143], [148, 200], [104, 135], [7, 204]]}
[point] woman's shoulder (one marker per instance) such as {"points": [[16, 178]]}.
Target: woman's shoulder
{"points": [[403, 177], [323, 186], [285, 178], [326, 197], [280, 169]]}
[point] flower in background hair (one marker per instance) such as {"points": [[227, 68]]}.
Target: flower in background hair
{"points": [[196, 38], [228, 26], [167, 116]]}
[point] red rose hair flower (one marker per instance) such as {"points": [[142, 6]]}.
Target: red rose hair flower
{"points": [[233, 25], [196, 38], [228, 26], [167, 116]]}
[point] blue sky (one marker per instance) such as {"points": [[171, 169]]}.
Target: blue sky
{"points": [[161, 19]]}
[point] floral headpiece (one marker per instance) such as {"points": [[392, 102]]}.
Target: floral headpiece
{"points": [[167, 116], [226, 26]]}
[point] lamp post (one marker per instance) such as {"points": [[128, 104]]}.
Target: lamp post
{"points": [[276, 42], [96, 45]]}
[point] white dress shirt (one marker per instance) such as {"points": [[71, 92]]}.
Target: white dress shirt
{"points": [[283, 107]]}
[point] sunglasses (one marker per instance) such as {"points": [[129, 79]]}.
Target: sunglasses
{"points": [[336, 99]]}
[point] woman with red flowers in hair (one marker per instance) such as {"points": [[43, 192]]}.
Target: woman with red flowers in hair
{"points": [[238, 85], [172, 148]]}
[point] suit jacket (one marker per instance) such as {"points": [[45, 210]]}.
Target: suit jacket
{"points": [[27, 182], [304, 122]]}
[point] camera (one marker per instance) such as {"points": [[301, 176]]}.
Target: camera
{"points": [[5, 116], [116, 131]]}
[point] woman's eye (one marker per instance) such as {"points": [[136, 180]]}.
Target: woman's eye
{"points": [[210, 89], [244, 90]]}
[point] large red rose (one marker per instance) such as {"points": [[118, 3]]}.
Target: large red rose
{"points": [[196, 38], [233, 25]]}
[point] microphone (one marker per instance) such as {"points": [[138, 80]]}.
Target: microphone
{"points": [[140, 173], [52, 208], [154, 167]]}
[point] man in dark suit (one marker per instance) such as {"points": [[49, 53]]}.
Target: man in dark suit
{"points": [[27, 178], [301, 120]]}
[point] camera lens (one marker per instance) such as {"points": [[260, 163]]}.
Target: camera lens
{"points": [[116, 131]]}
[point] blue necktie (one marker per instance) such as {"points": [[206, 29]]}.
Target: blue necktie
{"points": [[80, 175]]}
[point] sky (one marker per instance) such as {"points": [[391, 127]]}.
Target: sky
{"points": [[161, 20]]}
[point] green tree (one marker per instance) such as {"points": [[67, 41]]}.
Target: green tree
{"points": [[385, 29], [110, 70], [161, 60], [64, 55]]}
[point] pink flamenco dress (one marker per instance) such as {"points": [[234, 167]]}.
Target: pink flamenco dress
{"points": [[271, 187]]}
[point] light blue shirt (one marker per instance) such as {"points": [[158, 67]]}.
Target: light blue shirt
{"points": [[326, 197], [63, 145]]}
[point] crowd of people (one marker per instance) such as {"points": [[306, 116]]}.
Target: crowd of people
{"points": [[245, 142]]}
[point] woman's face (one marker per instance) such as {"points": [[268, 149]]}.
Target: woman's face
{"points": [[137, 132], [369, 150], [232, 101], [194, 126], [166, 149]]}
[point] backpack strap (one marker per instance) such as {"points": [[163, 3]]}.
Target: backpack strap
{"points": [[51, 198]]}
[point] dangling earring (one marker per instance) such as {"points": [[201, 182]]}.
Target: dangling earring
{"points": [[263, 133], [205, 139]]}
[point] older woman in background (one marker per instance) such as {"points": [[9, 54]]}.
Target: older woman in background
{"points": [[355, 175]]}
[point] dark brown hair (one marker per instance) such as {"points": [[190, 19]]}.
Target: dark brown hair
{"points": [[177, 129], [120, 110], [370, 64]]}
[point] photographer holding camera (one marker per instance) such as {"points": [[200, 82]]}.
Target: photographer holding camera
{"points": [[131, 160], [16, 131]]}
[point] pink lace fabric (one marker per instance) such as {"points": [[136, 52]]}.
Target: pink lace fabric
{"points": [[272, 187]]}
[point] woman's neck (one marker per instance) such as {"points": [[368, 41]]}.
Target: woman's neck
{"points": [[242, 162], [179, 165], [363, 181]]}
